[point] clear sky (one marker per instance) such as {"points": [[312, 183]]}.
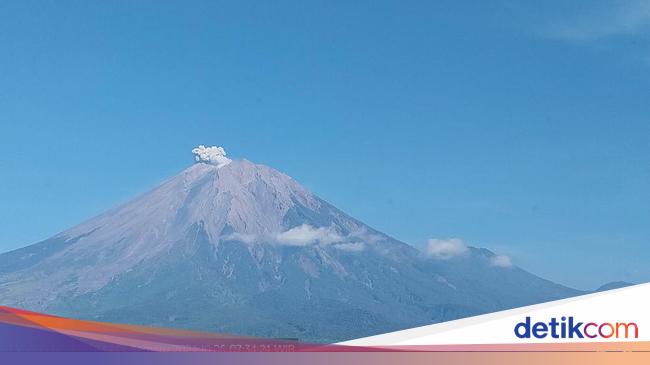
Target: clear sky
{"points": [[521, 128]]}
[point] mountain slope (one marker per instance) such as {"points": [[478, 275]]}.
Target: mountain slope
{"points": [[242, 248]]}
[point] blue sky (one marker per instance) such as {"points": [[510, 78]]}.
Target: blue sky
{"points": [[522, 128]]}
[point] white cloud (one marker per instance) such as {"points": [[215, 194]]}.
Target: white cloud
{"points": [[212, 155], [621, 18], [446, 249], [351, 246], [241, 237], [365, 236], [305, 234], [500, 261]]}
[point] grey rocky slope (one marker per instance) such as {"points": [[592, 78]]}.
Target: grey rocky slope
{"points": [[241, 248]]}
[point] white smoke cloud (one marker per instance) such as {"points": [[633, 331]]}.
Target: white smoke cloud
{"points": [[211, 155], [446, 249], [501, 261], [305, 234]]}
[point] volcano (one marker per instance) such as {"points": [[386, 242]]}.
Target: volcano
{"points": [[237, 247]]}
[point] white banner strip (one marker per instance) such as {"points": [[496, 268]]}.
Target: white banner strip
{"points": [[614, 315]]}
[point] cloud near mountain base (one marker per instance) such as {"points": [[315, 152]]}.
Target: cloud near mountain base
{"points": [[501, 261], [444, 249]]}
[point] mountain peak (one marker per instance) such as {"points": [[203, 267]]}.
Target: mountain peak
{"points": [[238, 196]]}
